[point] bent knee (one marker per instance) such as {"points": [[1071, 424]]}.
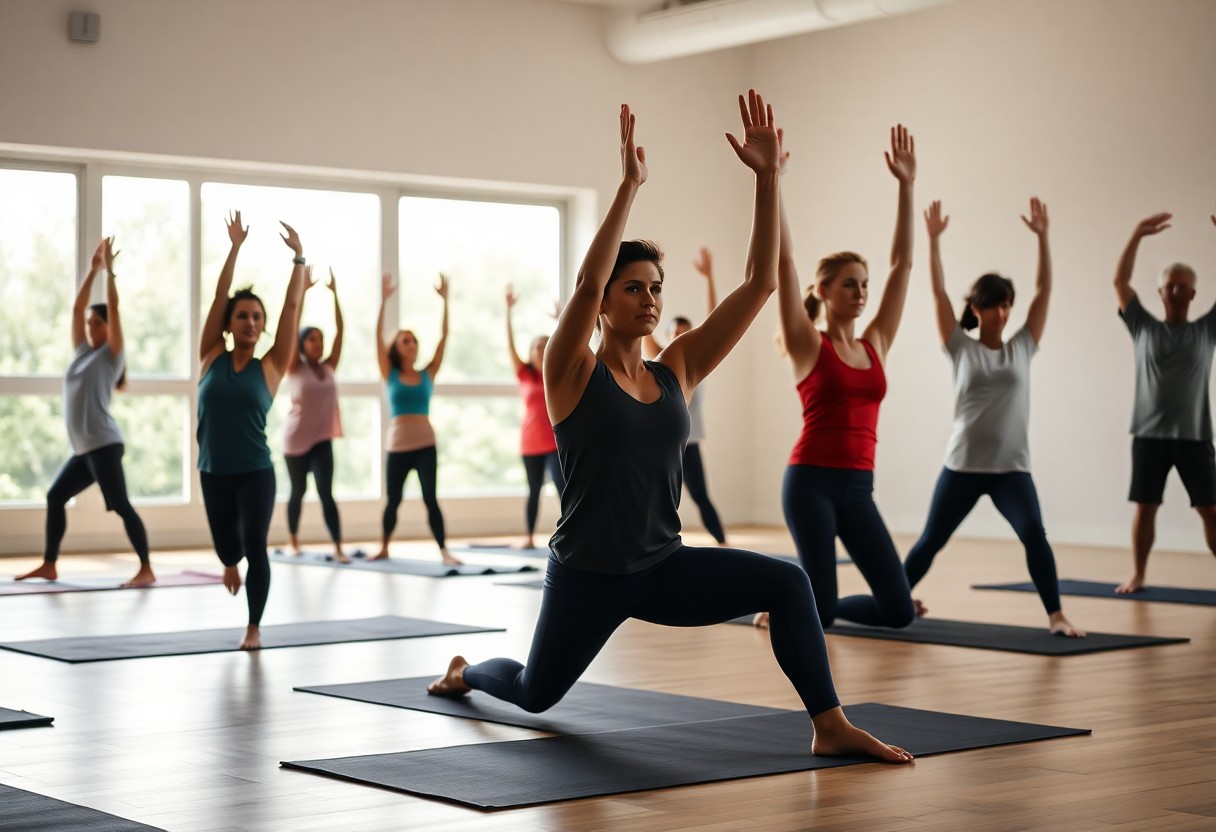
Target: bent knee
{"points": [[898, 616]]}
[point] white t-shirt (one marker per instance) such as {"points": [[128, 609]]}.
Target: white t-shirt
{"points": [[87, 388], [992, 404]]}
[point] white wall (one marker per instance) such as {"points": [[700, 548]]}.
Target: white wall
{"points": [[1104, 109]]}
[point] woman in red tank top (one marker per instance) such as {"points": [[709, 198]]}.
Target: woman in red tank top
{"points": [[829, 483]]}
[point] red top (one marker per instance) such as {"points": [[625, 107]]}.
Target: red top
{"points": [[840, 412], [535, 433]]}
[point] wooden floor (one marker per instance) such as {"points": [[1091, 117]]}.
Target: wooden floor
{"points": [[194, 742]]}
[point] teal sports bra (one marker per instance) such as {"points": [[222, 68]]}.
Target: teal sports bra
{"points": [[409, 399]]}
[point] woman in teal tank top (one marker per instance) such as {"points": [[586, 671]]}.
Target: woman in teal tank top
{"points": [[234, 395]]}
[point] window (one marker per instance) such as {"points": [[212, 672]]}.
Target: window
{"points": [[33, 445]]}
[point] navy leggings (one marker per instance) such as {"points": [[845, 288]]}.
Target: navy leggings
{"points": [[694, 480], [400, 463], [823, 503], [238, 511], [320, 461], [692, 587], [535, 465], [104, 467], [1013, 493]]}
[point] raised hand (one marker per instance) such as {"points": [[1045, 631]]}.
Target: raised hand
{"points": [[936, 223], [901, 161], [785, 154], [512, 298], [1153, 225], [704, 263], [633, 158], [333, 281], [387, 286], [309, 280], [108, 253], [236, 234], [1038, 217], [292, 239], [442, 288], [99, 255], [761, 148]]}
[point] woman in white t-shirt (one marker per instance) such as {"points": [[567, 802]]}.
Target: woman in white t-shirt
{"points": [[989, 449]]}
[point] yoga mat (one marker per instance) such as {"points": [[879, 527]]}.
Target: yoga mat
{"points": [[22, 811], [587, 709], [22, 719], [399, 566], [36, 586], [145, 645], [527, 772], [541, 584], [1094, 589], [501, 549]]}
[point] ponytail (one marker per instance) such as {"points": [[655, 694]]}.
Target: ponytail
{"points": [[988, 291]]}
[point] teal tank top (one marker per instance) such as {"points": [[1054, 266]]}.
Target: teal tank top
{"points": [[232, 410], [407, 399]]}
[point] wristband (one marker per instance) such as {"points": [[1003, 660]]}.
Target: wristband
{"points": [[299, 261]]}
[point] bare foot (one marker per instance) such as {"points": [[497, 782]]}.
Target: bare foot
{"points": [[143, 577], [341, 557], [449, 559], [835, 736], [1061, 626], [46, 571], [232, 579], [761, 620], [452, 682], [252, 639], [293, 543], [1133, 584], [921, 609], [528, 543]]}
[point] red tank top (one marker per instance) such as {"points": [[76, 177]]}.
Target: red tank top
{"points": [[840, 412], [535, 432]]}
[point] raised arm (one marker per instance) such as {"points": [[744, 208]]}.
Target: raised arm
{"points": [[799, 337], [211, 340], [309, 281], [286, 337], [704, 265], [901, 161], [437, 358], [568, 358], [335, 349], [695, 354], [516, 361], [936, 223], [1127, 262], [83, 293], [114, 320], [1036, 316], [387, 287]]}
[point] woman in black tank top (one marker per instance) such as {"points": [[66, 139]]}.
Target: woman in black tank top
{"points": [[621, 424]]}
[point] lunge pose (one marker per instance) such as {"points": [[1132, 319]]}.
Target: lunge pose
{"points": [[989, 449], [537, 445], [1172, 417], [841, 380], [694, 468], [313, 423], [411, 439], [621, 423], [235, 391], [97, 368]]}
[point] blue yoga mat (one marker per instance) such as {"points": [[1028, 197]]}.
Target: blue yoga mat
{"points": [[1096, 589]]}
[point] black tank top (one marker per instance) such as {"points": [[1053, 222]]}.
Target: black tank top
{"points": [[623, 464]]}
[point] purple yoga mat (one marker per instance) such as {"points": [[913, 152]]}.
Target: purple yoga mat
{"points": [[36, 586]]}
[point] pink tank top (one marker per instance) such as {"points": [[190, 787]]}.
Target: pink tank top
{"points": [[314, 415], [535, 433]]}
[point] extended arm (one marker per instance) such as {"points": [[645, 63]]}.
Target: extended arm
{"points": [[901, 161], [286, 337], [309, 282], [387, 287], [335, 350], [516, 361], [82, 296], [437, 359], [115, 340], [211, 340], [1036, 317], [1127, 262], [799, 336], [936, 223]]}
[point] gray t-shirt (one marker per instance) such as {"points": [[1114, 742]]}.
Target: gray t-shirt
{"points": [[1173, 366], [992, 404], [87, 388], [696, 416]]}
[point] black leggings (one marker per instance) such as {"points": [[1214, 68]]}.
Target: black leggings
{"points": [[694, 479], [691, 588], [821, 503], [1013, 493], [535, 465], [400, 463], [320, 460], [104, 467], [238, 511]]}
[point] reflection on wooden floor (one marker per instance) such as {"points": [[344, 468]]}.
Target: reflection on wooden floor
{"points": [[193, 743]]}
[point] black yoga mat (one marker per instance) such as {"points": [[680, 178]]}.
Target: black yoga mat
{"points": [[509, 774], [1094, 589], [587, 709], [1035, 640], [22, 719], [398, 566], [22, 811], [106, 648]]}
